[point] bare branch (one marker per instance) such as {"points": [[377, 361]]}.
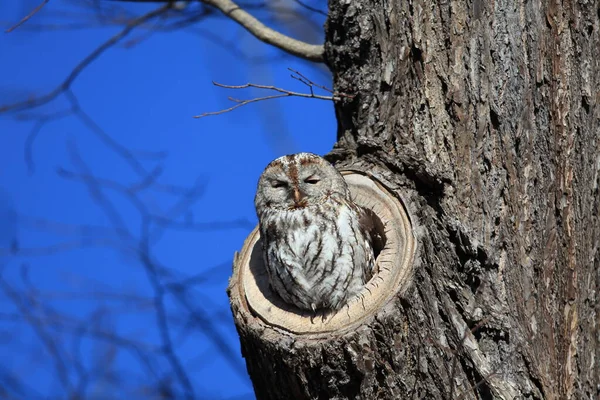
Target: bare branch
{"points": [[25, 307], [61, 247], [36, 102], [282, 93], [41, 120], [31, 14], [63, 229], [310, 52], [302, 78], [244, 102], [274, 88], [162, 320], [98, 196], [199, 318], [35, 131], [295, 47]]}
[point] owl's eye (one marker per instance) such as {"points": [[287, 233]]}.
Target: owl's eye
{"points": [[312, 180], [278, 184]]}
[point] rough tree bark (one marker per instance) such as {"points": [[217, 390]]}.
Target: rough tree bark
{"points": [[485, 114]]}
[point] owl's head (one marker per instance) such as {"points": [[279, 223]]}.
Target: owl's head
{"points": [[297, 181]]}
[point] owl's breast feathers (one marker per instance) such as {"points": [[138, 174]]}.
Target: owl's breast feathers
{"points": [[320, 255]]}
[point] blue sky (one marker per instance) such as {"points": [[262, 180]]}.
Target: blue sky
{"points": [[64, 265]]}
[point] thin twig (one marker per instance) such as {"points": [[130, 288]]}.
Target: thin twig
{"points": [[31, 14], [181, 207], [161, 315], [282, 93], [25, 307], [35, 131], [98, 195], [199, 317], [41, 120], [302, 78], [125, 153], [61, 247], [244, 102]]}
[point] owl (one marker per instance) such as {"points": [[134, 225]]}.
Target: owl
{"points": [[317, 243]]}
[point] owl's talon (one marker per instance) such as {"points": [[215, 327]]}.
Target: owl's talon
{"points": [[324, 317]]}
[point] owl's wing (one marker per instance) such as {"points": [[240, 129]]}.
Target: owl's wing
{"points": [[373, 229]]}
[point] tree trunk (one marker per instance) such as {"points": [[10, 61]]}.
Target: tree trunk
{"points": [[484, 115]]}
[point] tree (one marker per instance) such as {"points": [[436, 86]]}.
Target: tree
{"points": [[485, 115]]}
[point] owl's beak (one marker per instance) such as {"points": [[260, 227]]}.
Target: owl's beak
{"points": [[298, 195], [299, 198]]}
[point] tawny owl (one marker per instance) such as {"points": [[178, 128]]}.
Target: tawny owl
{"points": [[317, 243]]}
